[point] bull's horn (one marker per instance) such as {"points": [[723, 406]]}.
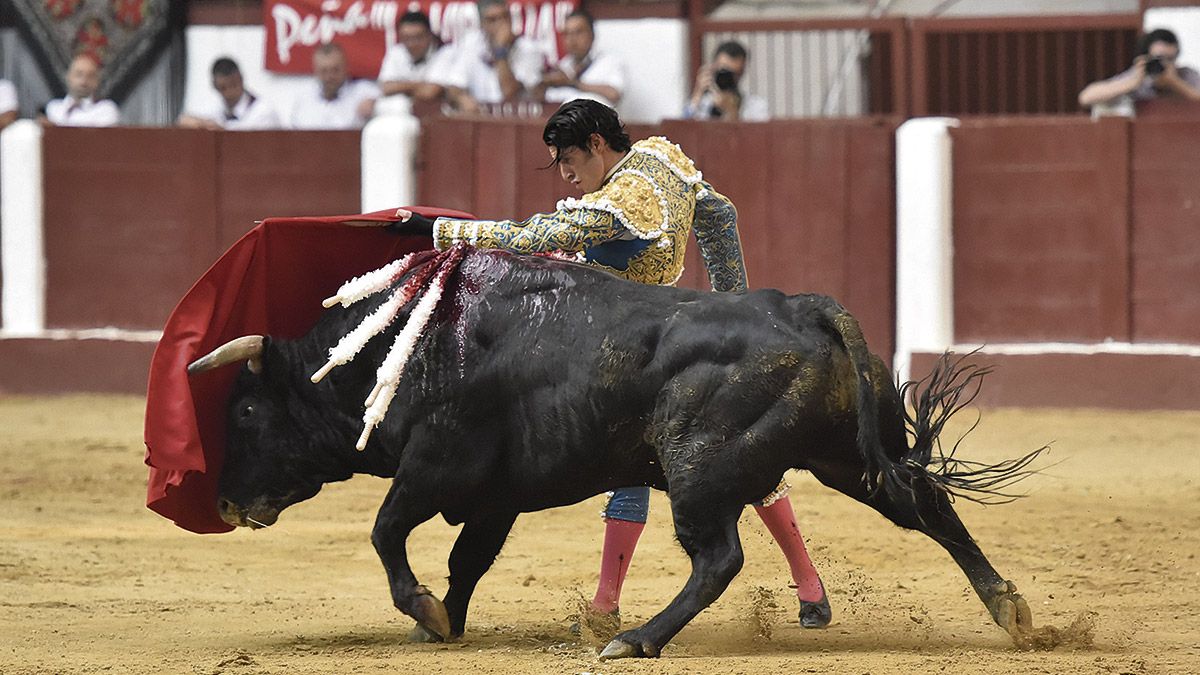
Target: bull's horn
{"points": [[247, 348]]}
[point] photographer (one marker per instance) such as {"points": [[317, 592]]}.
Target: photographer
{"points": [[1153, 75], [718, 93]]}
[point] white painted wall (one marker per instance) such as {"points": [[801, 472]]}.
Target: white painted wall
{"points": [[655, 52], [22, 254], [924, 240]]}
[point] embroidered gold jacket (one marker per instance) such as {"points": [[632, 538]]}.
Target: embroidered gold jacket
{"points": [[635, 225]]}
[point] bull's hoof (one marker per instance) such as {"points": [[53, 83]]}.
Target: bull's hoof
{"points": [[621, 650], [816, 614], [422, 635], [1011, 612], [431, 614]]}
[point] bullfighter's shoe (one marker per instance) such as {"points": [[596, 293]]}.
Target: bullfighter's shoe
{"points": [[597, 626], [816, 614]]}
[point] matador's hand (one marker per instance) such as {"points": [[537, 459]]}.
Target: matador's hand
{"points": [[411, 223]]}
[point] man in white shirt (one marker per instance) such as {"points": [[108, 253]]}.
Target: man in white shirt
{"points": [[235, 109], [492, 65], [407, 66], [334, 101], [718, 93], [78, 108], [8, 103], [583, 72]]}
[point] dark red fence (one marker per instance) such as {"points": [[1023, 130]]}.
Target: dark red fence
{"points": [[1077, 231], [134, 216]]}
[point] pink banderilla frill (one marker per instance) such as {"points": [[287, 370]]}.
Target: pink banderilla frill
{"points": [[387, 377]]}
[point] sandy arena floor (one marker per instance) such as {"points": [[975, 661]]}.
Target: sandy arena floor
{"points": [[92, 582]]}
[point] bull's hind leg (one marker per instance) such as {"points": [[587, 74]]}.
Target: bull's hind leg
{"points": [[402, 511], [927, 509], [707, 530]]}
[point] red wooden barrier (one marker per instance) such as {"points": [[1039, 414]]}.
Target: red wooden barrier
{"points": [[1166, 230], [1041, 230], [134, 216]]}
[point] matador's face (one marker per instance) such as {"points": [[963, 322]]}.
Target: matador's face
{"points": [[583, 169]]}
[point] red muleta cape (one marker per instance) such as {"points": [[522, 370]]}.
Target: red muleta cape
{"points": [[271, 282]]}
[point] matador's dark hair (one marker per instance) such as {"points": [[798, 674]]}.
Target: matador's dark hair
{"points": [[574, 123]]}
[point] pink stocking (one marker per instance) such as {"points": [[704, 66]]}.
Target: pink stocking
{"points": [[781, 521], [620, 539]]}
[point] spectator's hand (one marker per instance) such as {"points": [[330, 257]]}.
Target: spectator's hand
{"points": [[556, 78], [704, 81], [729, 103], [411, 223], [366, 108]]}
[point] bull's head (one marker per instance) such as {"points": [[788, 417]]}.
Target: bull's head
{"points": [[277, 453]]}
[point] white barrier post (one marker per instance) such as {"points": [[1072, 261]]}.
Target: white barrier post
{"points": [[22, 253], [924, 242], [389, 151]]}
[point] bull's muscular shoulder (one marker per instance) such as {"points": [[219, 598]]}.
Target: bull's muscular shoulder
{"points": [[671, 155]]}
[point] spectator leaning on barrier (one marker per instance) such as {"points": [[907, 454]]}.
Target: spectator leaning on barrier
{"points": [[492, 65], [236, 109], [583, 72], [1153, 75], [718, 93], [334, 101], [409, 65], [8, 103], [78, 108]]}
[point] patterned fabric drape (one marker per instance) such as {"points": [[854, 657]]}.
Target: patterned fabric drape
{"points": [[124, 36]]}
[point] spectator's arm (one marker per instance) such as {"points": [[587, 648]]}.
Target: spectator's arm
{"points": [[1115, 87], [609, 92], [406, 87], [7, 118], [1172, 79], [194, 122], [461, 100]]}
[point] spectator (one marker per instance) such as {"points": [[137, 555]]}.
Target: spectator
{"points": [[334, 101], [8, 103], [1153, 75], [718, 91], [407, 66], [78, 108], [236, 109], [584, 72], [492, 65]]}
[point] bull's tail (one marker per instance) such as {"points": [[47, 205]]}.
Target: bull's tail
{"points": [[951, 386], [879, 469]]}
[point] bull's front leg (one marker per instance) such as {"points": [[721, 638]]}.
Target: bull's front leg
{"points": [[402, 511], [474, 551]]}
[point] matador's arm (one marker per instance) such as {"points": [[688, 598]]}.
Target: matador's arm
{"points": [[715, 225], [569, 229]]}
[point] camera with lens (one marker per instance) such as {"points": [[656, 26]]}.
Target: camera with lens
{"points": [[1155, 66], [725, 80]]}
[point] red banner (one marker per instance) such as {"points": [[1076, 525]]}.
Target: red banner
{"points": [[366, 28]]}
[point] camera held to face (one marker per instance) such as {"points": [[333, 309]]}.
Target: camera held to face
{"points": [[1155, 66], [725, 80]]}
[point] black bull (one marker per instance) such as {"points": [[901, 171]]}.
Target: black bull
{"points": [[541, 383]]}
